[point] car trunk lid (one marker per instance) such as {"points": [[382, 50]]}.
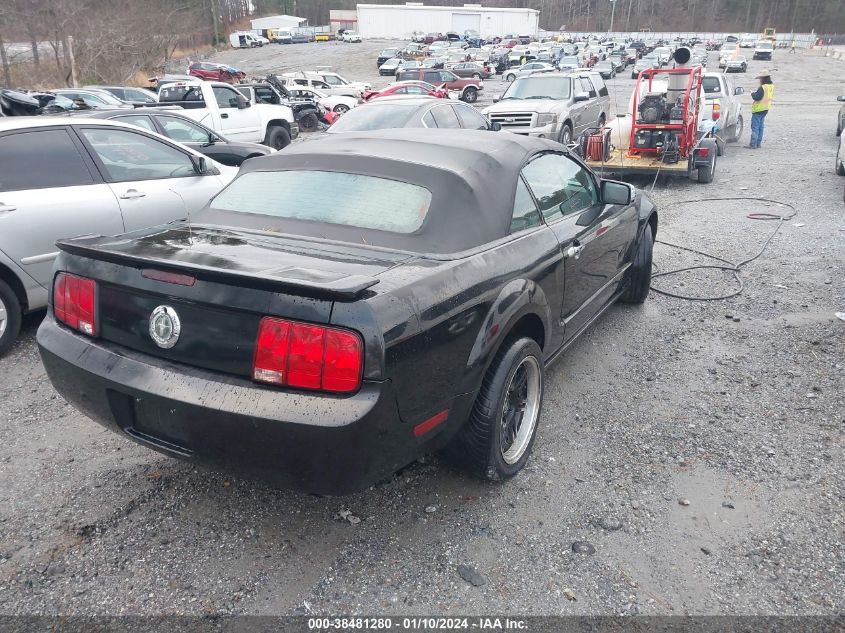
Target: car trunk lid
{"points": [[220, 284]]}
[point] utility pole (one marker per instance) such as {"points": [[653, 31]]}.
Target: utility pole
{"points": [[612, 12]]}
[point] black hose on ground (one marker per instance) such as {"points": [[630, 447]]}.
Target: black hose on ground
{"points": [[733, 268]]}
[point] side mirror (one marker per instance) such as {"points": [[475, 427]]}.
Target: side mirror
{"points": [[243, 104], [614, 192], [495, 126], [739, 90], [840, 98], [497, 98], [581, 96], [200, 164]]}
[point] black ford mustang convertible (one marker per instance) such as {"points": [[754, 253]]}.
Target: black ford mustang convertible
{"points": [[349, 304]]}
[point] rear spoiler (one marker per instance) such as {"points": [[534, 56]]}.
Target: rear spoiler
{"points": [[303, 281]]}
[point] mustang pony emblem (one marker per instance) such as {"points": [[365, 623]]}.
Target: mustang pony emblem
{"points": [[164, 326]]}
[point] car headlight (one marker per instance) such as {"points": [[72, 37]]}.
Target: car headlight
{"points": [[546, 119]]}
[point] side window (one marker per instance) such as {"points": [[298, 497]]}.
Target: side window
{"points": [[601, 87], [226, 97], [266, 95], [446, 76], [139, 120], [27, 166], [428, 120], [120, 93], [183, 131], [525, 214], [127, 156], [403, 90], [445, 117], [560, 185], [300, 82], [587, 87], [432, 77], [470, 118]]}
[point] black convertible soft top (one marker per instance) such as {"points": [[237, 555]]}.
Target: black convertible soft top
{"points": [[470, 174]]}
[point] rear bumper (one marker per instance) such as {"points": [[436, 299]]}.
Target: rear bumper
{"points": [[316, 443]]}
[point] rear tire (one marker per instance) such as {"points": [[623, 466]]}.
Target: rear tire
{"points": [[341, 108], [496, 441], [10, 317], [510, 78], [738, 129], [277, 137], [639, 275]]}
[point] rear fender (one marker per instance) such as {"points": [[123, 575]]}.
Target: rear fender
{"points": [[518, 298]]}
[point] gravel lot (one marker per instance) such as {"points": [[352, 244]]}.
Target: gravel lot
{"points": [[696, 447]]}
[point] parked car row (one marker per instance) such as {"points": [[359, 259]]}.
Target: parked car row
{"points": [[65, 176]]}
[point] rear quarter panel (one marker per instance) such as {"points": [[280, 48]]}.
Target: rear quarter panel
{"points": [[463, 309]]}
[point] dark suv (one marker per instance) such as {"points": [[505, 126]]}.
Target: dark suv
{"points": [[468, 88]]}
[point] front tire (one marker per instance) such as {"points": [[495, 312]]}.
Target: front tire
{"points": [[341, 108], [510, 78], [277, 137], [565, 135], [496, 441], [10, 317], [470, 95], [840, 162], [639, 274]]}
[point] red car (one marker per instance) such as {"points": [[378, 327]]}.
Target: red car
{"points": [[415, 88], [508, 43], [215, 72]]}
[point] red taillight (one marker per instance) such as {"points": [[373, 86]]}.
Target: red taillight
{"points": [[704, 152], [75, 302], [717, 111], [307, 356]]}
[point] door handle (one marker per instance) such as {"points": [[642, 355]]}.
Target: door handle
{"points": [[224, 116], [131, 194], [573, 251], [6, 208]]}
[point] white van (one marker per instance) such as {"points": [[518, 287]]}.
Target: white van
{"points": [[244, 39]]}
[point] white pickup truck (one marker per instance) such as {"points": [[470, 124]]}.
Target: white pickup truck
{"points": [[219, 106], [722, 98]]}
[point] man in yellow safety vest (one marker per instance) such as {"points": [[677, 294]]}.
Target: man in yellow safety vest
{"points": [[760, 108]]}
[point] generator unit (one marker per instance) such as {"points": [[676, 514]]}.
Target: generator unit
{"points": [[665, 124]]}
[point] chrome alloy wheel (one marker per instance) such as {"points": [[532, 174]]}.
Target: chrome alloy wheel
{"points": [[521, 410]]}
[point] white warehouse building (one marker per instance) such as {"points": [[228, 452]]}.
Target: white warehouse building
{"points": [[396, 21]]}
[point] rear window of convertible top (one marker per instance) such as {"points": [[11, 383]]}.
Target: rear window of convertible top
{"points": [[366, 202]]}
